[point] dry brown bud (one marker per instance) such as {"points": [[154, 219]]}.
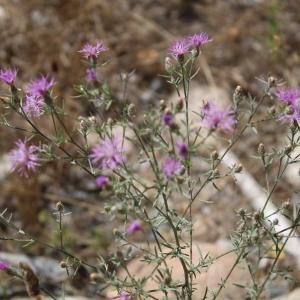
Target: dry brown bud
{"points": [[59, 206], [261, 149], [63, 265], [239, 169]]}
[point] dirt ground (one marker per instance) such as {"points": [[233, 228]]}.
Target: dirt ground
{"points": [[251, 39]]}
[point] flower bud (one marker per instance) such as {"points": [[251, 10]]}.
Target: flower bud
{"points": [[238, 92], [288, 149], [261, 149], [59, 206], [239, 169], [272, 81], [162, 105], [95, 277], [168, 64], [286, 205], [179, 104], [214, 155], [63, 265]]}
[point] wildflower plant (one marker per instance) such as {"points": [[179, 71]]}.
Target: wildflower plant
{"points": [[165, 144]]}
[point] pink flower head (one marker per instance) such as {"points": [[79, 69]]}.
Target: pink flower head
{"points": [[108, 153], [134, 227], [197, 40], [24, 159], [122, 296], [214, 117], [179, 48], [90, 51], [4, 266], [8, 76], [40, 86], [91, 75], [182, 149], [34, 106], [289, 96], [168, 119], [171, 167], [102, 181]]}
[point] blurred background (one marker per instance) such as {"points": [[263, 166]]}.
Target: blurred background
{"points": [[251, 39]]}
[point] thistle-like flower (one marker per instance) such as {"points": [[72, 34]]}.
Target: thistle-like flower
{"points": [[40, 86], [171, 167], [134, 227], [179, 48], [108, 153], [290, 97], [102, 181], [197, 40], [182, 149], [8, 76], [214, 117], [122, 296], [90, 51], [34, 106], [24, 159], [3, 266]]}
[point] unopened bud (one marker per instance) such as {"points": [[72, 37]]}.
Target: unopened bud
{"points": [[273, 111], [162, 105], [179, 104], [239, 169], [96, 277], [272, 81], [288, 149], [168, 64], [286, 205], [59, 206], [261, 149], [214, 155], [238, 92], [63, 265]]}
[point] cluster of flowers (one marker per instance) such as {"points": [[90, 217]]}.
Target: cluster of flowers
{"points": [[181, 47]]}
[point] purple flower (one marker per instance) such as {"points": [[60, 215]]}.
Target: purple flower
{"points": [[91, 75], [167, 119], [171, 167], [179, 48], [92, 51], [182, 149], [34, 106], [102, 181], [290, 96], [24, 159], [134, 227], [108, 153], [122, 296], [4, 266], [214, 117], [40, 86], [8, 76], [197, 40]]}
